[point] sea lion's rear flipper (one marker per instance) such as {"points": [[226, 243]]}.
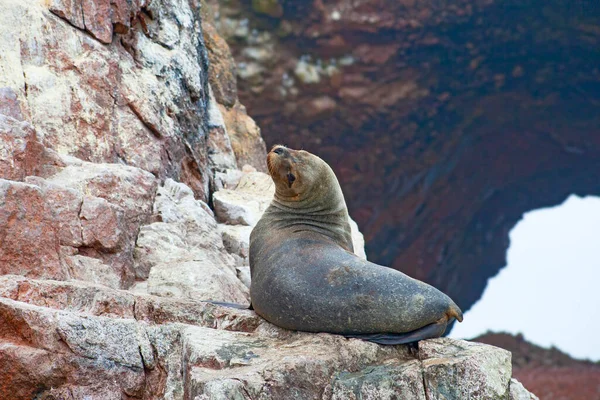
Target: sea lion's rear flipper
{"points": [[427, 332], [230, 305]]}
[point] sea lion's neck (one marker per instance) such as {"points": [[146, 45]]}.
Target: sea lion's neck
{"points": [[325, 214]]}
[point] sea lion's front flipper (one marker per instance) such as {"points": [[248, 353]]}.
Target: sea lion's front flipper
{"points": [[427, 332]]}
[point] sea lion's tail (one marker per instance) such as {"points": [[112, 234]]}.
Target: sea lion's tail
{"points": [[454, 312]]}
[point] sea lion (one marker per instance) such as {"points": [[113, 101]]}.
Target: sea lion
{"points": [[306, 277]]}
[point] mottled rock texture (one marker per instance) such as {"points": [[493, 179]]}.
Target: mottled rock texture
{"points": [[130, 86], [444, 120], [116, 139], [140, 101], [303, 366]]}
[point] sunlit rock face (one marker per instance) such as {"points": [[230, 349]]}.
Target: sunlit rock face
{"points": [[444, 121], [112, 82]]}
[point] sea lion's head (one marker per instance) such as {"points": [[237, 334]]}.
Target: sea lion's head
{"points": [[297, 174], [306, 185]]}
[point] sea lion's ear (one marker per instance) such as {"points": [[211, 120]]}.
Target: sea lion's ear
{"points": [[290, 178]]}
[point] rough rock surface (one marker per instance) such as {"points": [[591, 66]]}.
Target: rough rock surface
{"points": [[112, 148], [183, 255], [21, 153], [335, 368], [30, 240], [109, 343], [134, 90], [445, 121]]}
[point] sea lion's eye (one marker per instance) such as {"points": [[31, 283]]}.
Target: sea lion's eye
{"points": [[291, 178], [278, 150]]}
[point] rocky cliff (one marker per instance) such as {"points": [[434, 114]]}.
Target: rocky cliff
{"points": [[129, 182], [444, 120]]}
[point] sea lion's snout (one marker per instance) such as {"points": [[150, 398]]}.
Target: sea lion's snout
{"points": [[275, 159], [282, 167]]}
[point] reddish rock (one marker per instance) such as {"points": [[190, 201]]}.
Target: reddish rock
{"points": [[548, 373], [125, 12], [222, 66], [561, 383], [196, 176], [29, 236], [9, 104], [97, 19], [129, 188], [70, 10], [65, 205], [21, 153], [99, 300], [55, 350], [245, 137], [100, 207], [120, 101], [102, 224], [26, 371]]}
